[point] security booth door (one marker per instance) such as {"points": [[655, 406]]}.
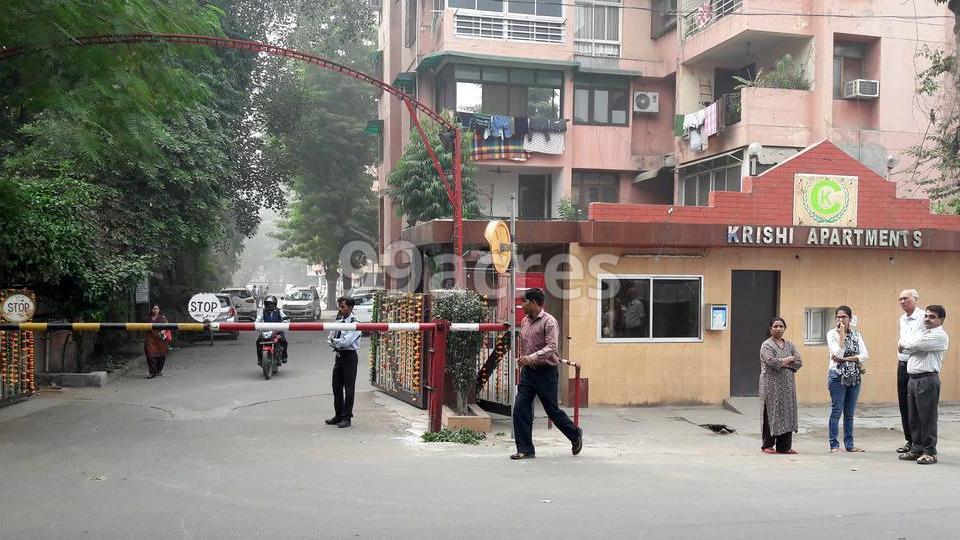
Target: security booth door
{"points": [[754, 298]]}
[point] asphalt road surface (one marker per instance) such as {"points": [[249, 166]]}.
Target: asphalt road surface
{"points": [[212, 450]]}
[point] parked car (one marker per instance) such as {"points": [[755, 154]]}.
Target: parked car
{"points": [[227, 314], [363, 310], [302, 303], [243, 302]]}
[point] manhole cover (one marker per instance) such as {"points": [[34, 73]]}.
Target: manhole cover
{"points": [[719, 429]]}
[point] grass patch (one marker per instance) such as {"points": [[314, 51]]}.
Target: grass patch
{"points": [[459, 435]]}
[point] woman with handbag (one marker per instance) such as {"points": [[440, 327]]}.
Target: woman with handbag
{"points": [[847, 354], [156, 344]]}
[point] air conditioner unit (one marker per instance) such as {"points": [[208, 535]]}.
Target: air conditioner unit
{"points": [[646, 102], [861, 89]]}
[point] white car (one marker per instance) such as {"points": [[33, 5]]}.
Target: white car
{"points": [[363, 309], [227, 314], [302, 303], [243, 302]]}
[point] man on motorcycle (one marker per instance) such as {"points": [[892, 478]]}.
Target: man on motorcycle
{"points": [[271, 313]]}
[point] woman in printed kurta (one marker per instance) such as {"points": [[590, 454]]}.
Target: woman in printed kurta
{"points": [[779, 361], [155, 347]]}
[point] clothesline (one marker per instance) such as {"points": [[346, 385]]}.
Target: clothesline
{"points": [[513, 137]]}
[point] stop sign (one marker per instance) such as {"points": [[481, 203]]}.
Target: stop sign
{"points": [[204, 307]]}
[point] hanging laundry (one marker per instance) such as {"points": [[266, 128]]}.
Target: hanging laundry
{"points": [[500, 126], [542, 143], [710, 120], [692, 124], [521, 126], [538, 125], [557, 125], [496, 148]]}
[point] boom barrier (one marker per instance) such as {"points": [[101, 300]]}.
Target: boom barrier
{"points": [[438, 348]]}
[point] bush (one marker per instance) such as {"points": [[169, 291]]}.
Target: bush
{"points": [[459, 435], [463, 348]]}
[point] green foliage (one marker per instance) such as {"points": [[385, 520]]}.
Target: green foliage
{"points": [[124, 158], [941, 146], [568, 211], [416, 188], [463, 348], [460, 435], [319, 119], [786, 74]]}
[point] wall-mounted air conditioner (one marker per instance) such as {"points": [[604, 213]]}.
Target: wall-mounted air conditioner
{"points": [[861, 89], [646, 102]]}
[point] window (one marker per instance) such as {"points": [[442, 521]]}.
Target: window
{"points": [[654, 308], [848, 64], [602, 101], [817, 322], [597, 28], [591, 187], [410, 36], [509, 91], [697, 181], [542, 8], [663, 18]]}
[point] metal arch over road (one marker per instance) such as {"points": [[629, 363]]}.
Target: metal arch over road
{"points": [[454, 190]]}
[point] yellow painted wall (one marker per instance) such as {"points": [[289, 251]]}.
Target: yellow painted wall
{"points": [[867, 280]]}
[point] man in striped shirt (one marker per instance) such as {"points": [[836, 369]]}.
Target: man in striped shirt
{"points": [[926, 349]]}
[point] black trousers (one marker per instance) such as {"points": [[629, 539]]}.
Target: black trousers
{"points": [[155, 364], [344, 381], [902, 378], [782, 442], [923, 397], [542, 383]]}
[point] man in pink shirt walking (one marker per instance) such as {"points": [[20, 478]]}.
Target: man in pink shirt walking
{"points": [[539, 375]]}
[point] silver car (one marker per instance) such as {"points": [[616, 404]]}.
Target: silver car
{"points": [[302, 303]]}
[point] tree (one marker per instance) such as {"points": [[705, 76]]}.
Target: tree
{"points": [[941, 149], [415, 186], [463, 348]]}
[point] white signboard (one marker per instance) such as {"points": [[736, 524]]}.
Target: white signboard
{"points": [[204, 307], [18, 308], [143, 292]]}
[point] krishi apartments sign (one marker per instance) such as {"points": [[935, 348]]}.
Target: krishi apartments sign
{"points": [[825, 200]]}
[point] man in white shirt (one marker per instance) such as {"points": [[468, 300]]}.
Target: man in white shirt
{"points": [[911, 322], [925, 350]]}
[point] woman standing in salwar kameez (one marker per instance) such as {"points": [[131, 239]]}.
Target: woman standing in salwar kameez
{"points": [[779, 362]]}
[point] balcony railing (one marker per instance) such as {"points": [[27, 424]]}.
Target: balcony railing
{"points": [[698, 15], [603, 49], [508, 27]]}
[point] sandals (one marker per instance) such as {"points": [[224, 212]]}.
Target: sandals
{"points": [[768, 450], [834, 450], [903, 449], [908, 456], [522, 455], [926, 459], [855, 449]]}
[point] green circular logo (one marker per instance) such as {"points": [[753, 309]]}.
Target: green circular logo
{"points": [[826, 200]]}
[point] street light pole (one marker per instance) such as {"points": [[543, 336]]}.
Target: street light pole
{"points": [[512, 365]]}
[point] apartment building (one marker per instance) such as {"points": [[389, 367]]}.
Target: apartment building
{"points": [[692, 134], [622, 76]]}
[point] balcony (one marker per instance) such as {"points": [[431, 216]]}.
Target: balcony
{"points": [[759, 115], [712, 28], [698, 15]]}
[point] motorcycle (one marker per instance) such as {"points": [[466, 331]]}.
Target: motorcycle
{"points": [[269, 352]]}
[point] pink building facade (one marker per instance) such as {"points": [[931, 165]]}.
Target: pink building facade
{"points": [[618, 80]]}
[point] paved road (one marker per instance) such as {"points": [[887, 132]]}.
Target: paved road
{"points": [[212, 450]]}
